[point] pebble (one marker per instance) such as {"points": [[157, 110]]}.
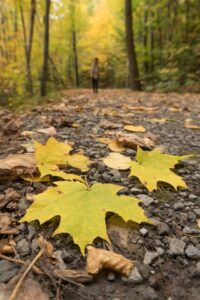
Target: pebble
{"points": [[111, 276], [23, 247], [124, 191], [162, 228], [188, 230], [143, 231], [178, 205], [8, 270], [192, 197], [198, 269], [146, 200], [176, 246], [192, 252], [149, 257], [135, 191], [135, 276], [197, 211]]}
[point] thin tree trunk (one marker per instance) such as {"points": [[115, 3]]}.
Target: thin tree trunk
{"points": [[76, 64], [134, 80], [145, 43], [28, 40], [152, 43], [46, 50]]}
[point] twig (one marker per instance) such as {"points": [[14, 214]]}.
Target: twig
{"points": [[21, 262], [16, 289]]}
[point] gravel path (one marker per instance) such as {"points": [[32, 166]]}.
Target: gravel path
{"points": [[167, 255]]}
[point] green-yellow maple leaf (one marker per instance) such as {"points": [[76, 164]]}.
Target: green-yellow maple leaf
{"points": [[57, 153], [83, 210], [151, 167]]}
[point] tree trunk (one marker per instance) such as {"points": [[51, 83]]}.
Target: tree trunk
{"points": [[28, 40], [46, 50], [134, 81], [145, 43], [76, 65]]}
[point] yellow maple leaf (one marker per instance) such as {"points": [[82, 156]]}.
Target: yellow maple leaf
{"points": [[83, 210], [55, 153], [151, 167]]}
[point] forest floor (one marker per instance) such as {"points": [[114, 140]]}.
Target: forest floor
{"points": [[167, 254]]}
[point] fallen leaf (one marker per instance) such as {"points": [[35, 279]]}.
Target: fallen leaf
{"points": [[86, 209], [134, 128], [55, 153], [117, 161], [98, 259], [132, 140], [116, 147], [18, 164], [6, 246], [50, 131], [159, 121], [189, 125], [30, 289], [142, 108], [153, 166], [109, 125], [5, 221], [27, 133], [175, 109], [75, 275]]}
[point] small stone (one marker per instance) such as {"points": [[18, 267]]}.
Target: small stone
{"points": [[176, 246], [178, 205], [135, 276], [150, 257], [197, 211], [124, 191], [8, 270], [135, 191], [146, 200], [188, 230], [162, 228], [106, 177], [198, 269], [192, 197], [111, 276], [143, 231], [192, 252], [23, 247], [23, 204]]}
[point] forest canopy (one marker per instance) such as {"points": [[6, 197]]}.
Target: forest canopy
{"points": [[166, 41]]}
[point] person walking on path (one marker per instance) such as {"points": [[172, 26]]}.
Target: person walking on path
{"points": [[95, 75]]}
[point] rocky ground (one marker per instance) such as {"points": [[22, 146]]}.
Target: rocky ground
{"points": [[167, 254]]}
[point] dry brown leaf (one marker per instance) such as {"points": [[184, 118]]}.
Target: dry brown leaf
{"points": [[98, 259], [175, 109], [18, 164], [27, 133], [7, 246], [5, 221], [143, 108], [30, 290], [109, 125], [133, 140], [50, 131], [75, 275]]}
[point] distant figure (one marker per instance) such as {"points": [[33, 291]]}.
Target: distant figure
{"points": [[95, 75]]}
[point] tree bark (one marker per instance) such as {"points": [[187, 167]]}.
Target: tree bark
{"points": [[44, 77], [134, 81]]}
